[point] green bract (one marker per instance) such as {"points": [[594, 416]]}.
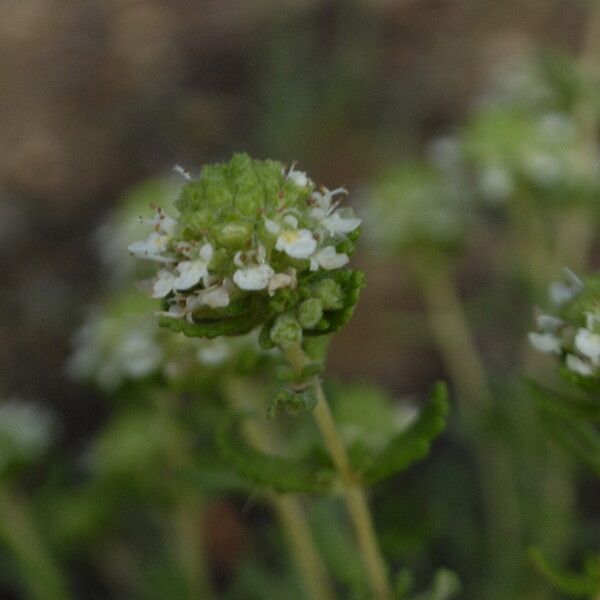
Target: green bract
{"points": [[253, 243]]}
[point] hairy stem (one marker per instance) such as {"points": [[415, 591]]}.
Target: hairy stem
{"points": [[288, 508], [354, 493]]}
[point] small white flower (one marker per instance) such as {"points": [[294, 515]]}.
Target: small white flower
{"points": [[336, 223], [190, 273], [323, 199], [578, 366], [216, 296], [299, 178], [329, 259], [253, 278], [183, 172], [272, 227], [592, 321], [548, 322], [297, 243], [547, 343], [560, 292], [163, 284], [139, 354], [152, 247], [588, 344], [496, 183], [213, 352], [281, 280]]}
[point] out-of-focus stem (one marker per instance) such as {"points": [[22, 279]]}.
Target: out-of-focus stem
{"points": [[354, 493], [40, 576], [451, 331], [188, 522], [288, 507]]}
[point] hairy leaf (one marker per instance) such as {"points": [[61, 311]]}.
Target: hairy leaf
{"points": [[413, 443], [578, 407], [276, 472]]}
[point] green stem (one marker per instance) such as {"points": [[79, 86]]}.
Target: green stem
{"points": [[39, 573], [354, 493], [288, 508], [449, 326], [187, 519]]}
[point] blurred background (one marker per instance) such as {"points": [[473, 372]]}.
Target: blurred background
{"points": [[99, 97]]}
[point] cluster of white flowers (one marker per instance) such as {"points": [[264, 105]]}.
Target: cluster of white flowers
{"points": [[204, 271], [120, 342], [110, 349], [572, 335]]}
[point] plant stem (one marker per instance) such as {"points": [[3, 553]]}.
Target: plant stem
{"points": [[288, 507], [188, 520], [354, 493], [451, 331], [39, 574]]}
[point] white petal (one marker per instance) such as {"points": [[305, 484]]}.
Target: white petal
{"points": [[548, 322], [578, 366], [592, 321], [206, 253], [297, 244], [291, 221], [329, 259], [299, 178], [150, 247], [547, 343], [560, 293], [588, 343], [163, 284], [335, 223], [190, 273], [281, 280], [253, 278], [272, 226], [217, 297]]}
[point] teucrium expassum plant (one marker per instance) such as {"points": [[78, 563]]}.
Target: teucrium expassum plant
{"points": [[256, 244]]}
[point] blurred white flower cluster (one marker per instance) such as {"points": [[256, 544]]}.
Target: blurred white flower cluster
{"points": [[572, 330], [26, 432], [121, 343]]}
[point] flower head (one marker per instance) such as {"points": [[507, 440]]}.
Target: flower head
{"points": [[251, 241], [571, 331]]}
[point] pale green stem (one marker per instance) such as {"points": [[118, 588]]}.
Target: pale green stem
{"points": [[288, 508], [40, 576], [354, 493], [449, 327], [187, 520]]}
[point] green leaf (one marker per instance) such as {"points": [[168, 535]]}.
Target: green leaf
{"points": [[276, 472], [579, 585], [212, 328], [580, 438], [413, 443], [578, 407], [211, 476]]}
